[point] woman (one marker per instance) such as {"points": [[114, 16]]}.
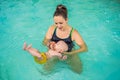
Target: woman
{"points": [[62, 31]]}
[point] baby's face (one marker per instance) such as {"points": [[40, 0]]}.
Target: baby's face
{"points": [[58, 48], [61, 46]]}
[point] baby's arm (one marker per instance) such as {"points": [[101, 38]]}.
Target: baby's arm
{"points": [[32, 51]]}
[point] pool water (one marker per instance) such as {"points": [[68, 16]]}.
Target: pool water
{"points": [[98, 22]]}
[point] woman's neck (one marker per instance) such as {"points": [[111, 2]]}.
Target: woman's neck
{"points": [[65, 28]]}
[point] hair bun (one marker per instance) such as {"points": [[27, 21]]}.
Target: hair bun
{"points": [[61, 8]]}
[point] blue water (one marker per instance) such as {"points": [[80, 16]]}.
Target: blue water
{"points": [[98, 22]]}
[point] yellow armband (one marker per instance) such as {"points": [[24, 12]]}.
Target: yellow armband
{"points": [[41, 61]]}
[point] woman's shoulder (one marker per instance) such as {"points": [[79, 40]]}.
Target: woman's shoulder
{"points": [[52, 27], [75, 34], [74, 31], [51, 30]]}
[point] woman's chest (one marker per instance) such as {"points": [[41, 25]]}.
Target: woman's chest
{"points": [[63, 34]]}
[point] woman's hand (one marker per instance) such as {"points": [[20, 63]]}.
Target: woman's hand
{"points": [[67, 53], [51, 45]]}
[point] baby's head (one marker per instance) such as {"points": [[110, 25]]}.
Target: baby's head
{"points": [[61, 46]]}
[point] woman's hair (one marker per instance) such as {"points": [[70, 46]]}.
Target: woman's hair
{"points": [[61, 10]]}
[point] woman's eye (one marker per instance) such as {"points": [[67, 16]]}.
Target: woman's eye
{"points": [[55, 23]]}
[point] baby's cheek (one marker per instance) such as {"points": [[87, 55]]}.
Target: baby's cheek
{"points": [[58, 50], [61, 51]]}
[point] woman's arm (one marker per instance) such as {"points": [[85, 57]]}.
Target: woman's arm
{"points": [[48, 35], [46, 41], [79, 41], [83, 48]]}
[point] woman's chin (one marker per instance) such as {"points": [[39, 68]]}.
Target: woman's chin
{"points": [[61, 28]]}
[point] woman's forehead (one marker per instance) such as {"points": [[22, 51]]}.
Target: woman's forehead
{"points": [[58, 18]]}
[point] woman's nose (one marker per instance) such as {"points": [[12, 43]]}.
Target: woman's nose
{"points": [[58, 25]]}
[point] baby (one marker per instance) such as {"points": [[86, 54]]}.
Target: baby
{"points": [[40, 57]]}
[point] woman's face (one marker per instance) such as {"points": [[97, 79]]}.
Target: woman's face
{"points": [[60, 22]]}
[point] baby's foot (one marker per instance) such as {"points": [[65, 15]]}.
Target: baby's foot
{"points": [[24, 46]]}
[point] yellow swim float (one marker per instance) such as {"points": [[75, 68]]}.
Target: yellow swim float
{"points": [[44, 59]]}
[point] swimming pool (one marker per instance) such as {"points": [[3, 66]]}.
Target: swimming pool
{"points": [[98, 23]]}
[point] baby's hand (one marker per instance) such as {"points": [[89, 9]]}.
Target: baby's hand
{"points": [[64, 57], [52, 45], [40, 58]]}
